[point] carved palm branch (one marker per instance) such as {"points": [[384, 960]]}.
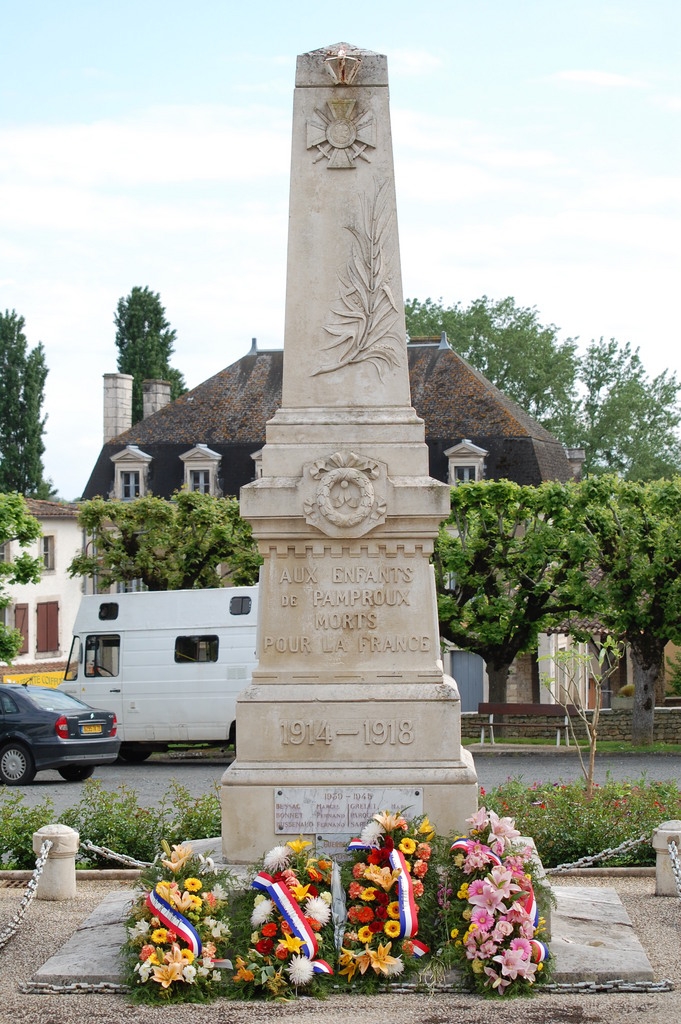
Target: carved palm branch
{"points": [[366, 312]]}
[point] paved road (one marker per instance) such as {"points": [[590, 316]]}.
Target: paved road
{"points": [[152, 779]]}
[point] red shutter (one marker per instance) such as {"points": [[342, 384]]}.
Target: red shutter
{"points": [[21, 623], [47, 626]]}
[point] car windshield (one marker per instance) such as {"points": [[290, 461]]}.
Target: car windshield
{"points": [[53, 700]]}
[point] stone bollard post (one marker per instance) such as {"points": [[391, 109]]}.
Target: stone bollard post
{"points": [[665, 882], [58, 879]]}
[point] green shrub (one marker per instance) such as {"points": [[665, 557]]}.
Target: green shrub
{"points": [[17, 825], [191, 817], [114, 818], [565, 825]]}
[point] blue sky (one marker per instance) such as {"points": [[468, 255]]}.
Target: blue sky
{"points": [[537, 152]]}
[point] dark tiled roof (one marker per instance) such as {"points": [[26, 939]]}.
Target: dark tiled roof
{"points": [[229, 411], [51, 509]]}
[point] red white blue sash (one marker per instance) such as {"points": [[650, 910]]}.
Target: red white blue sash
{"points": [[419, 948], [409, 912], [172, 919], [540, 951], [282, 897]]}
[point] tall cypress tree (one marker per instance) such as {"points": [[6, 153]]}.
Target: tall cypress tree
{"points": [[22, 383], [145, 342]]}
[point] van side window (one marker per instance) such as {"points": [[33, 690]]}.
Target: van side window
{"points": [[102, 655], [239, 605], [191, 649], [71, 672], [108, 610]]}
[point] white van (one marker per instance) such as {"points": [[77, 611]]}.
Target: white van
{"points": [[170, 664]]}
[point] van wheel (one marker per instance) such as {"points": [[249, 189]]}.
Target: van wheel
{"points": [[134, 753], [76, 772], [16, 765]]}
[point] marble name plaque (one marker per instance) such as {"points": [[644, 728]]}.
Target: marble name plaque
{"points": [[339, 811]]}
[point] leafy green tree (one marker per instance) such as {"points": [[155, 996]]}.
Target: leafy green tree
{"points": [[192, 541], [625, 420], [17, 526], [22, 382], [602, 400], [636, 529], [145, 342], [507, 563], [509, 345]]}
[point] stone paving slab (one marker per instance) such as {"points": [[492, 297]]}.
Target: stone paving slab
{"points": [[592, 940]]}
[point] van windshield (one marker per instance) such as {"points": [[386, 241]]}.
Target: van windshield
{"points": [[74, 659]]}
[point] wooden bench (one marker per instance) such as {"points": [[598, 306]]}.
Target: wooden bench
{"points": [[494, 711]]}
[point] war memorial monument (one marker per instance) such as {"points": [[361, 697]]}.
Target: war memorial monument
{"points": [[348, 711]]}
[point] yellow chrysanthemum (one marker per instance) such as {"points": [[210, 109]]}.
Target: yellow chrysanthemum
{"points": [[159, 936], [193, 885], [187, 956], [393, 910], [368, 894], [392, 929], [462, 894], [407, 845], [454, 932], [364, 934]]}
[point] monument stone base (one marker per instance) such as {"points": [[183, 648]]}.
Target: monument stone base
{"points": [[322, 768]]}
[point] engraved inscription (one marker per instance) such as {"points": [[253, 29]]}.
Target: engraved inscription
{"points": [[374, 732]]}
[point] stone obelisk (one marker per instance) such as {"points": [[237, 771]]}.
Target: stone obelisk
{"points": [[348, 705]]}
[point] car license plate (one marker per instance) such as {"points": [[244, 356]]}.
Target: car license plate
{"points": [[90, 729]]}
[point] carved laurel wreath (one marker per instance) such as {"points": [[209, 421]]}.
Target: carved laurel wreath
{"points": [[345, 495]]}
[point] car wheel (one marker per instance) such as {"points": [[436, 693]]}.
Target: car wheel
{"points": [[76, 772], [16, 765], [134, 753]]}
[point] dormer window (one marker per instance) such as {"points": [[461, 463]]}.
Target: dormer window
{"points": [[201, 470], [466, 462], [132, 469]]}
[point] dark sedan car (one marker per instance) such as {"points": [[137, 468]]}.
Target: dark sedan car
{"points": [[44, 728]]}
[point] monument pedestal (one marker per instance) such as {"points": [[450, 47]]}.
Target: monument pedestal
{"points": [[348, 712]]}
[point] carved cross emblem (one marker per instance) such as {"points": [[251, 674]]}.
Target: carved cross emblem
{"points": [[340, 135]]}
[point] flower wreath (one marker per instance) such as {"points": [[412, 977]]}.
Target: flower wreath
{"points": [[387, 882], [178, 930], [489, 908], [290, 924]]}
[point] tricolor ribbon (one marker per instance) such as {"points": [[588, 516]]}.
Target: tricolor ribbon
{"points": [[321, 967], [173, 920], [409, 912], [529, 904], [359, 844], [540, 951], [466, 845], [283, 898], [419, 948]]}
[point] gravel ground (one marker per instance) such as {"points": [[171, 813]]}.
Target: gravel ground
{"points": [[657, 921]]}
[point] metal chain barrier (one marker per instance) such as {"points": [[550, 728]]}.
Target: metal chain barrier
{"points": [[676, 867], [27, 898], [111, 855], [584, 862]]}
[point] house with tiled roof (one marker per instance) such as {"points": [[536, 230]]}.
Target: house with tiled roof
{"points": [[44, 612], [207, 439]]}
